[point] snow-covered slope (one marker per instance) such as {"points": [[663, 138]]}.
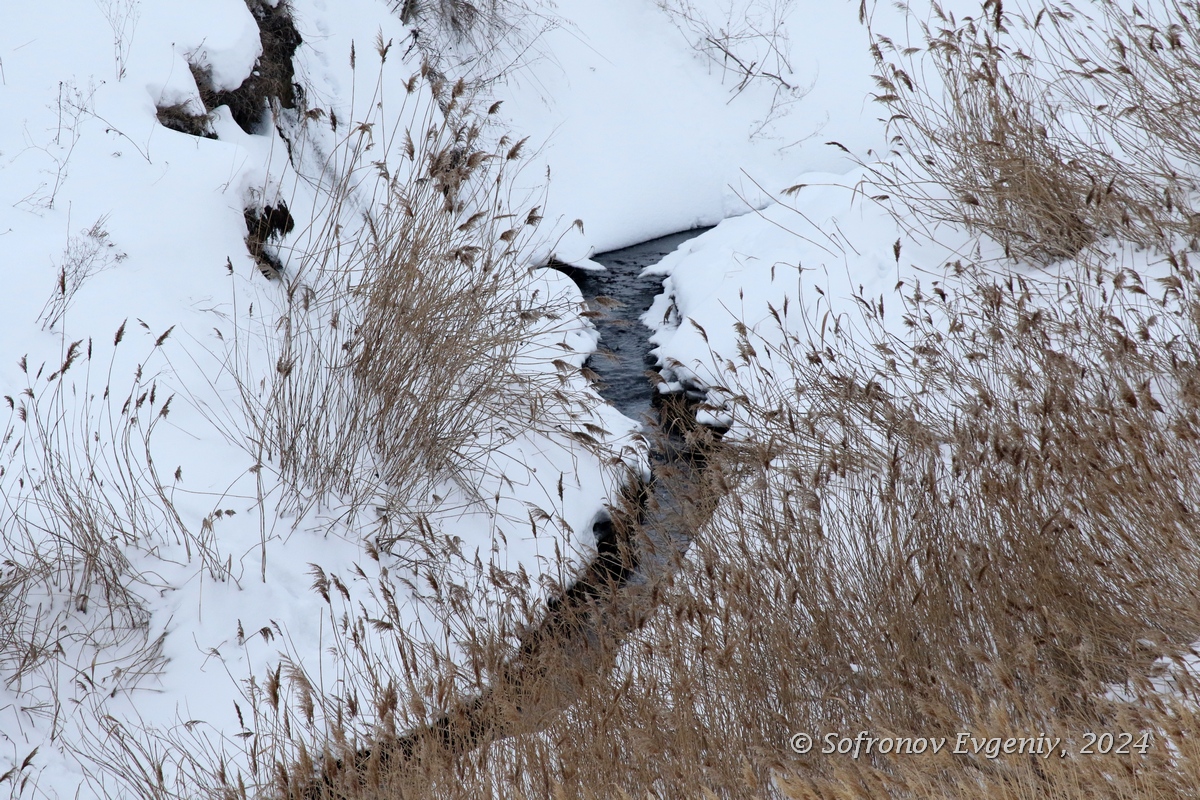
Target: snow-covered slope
{"points": [[644, 135], [129, 237]]}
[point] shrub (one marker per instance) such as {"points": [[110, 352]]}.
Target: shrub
{"points": [[406, 347], [748, 41], [480, 41], [1010, 132]]}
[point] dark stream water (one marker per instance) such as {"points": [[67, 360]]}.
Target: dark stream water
{"points": [[624, 355], [622, 362]]}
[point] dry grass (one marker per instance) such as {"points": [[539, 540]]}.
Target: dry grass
{"points": [[460, 17], [480, 41], [982, 526], [407, 344], [86, 254], [1040, 130], [184, 118], [402, 354], [973, 528], [84, 501]]}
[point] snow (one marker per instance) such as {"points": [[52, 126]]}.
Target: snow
{"points": [[811, 252], [644, 136], [80, 151], [640, 135]]}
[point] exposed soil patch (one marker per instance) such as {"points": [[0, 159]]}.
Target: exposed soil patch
{"points": [[264, 226], [273, 77], [183, 118]]}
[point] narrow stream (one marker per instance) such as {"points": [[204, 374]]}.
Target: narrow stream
{"points": [[649, 531], [622, 295]]}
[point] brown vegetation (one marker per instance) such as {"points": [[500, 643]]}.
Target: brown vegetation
{"points": [[399, 357], [1048, 133], [182, 117], [985, 525]]}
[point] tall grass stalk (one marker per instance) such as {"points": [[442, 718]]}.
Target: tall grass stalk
{"points": [[84, 503]]}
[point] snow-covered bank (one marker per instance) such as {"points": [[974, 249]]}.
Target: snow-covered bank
{"points": [[279, 477], [644, 135], [795, 267]]}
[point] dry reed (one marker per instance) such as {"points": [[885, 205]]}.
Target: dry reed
{"points": [[83, 500]]}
